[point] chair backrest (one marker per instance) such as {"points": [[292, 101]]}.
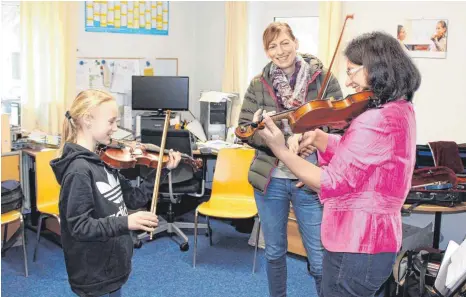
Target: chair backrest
{"points": [[231, 174], [179, 140], [47, 187]]}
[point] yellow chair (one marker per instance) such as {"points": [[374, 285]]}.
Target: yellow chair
{"points": [[47, 191], [11, 217], [232, 196], [11, 164]]}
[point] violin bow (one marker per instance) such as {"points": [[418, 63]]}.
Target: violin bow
{"points": [[323, 89], [155, 194]]}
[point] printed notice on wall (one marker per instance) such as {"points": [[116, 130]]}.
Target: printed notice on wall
{"points": [[130, 17]]}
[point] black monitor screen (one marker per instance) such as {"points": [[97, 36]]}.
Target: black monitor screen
{"points": [[160, 92]]}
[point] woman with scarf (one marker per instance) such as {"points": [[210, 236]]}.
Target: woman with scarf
{"points": [[287, 81]]}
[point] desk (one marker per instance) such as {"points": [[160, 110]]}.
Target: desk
{"points": [[438, 211]]}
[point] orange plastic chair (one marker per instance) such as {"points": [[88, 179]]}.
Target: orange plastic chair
{"points": [[47, 191], [11, 164], [232, 196]]}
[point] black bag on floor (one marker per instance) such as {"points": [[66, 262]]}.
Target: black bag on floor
{"points": [[12, 195], [416, 272]]}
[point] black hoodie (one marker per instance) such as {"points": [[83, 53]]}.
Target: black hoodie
{"points": [[96, 241]]}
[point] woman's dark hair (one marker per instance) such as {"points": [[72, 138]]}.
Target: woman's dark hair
{"points": [[399, 30], [391, 73]]}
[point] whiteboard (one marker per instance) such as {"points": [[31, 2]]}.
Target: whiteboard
{"points": [[115, 75], [166, 67]]}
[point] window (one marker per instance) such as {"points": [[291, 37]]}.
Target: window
{"points": [[306, 30], [10, 84]]}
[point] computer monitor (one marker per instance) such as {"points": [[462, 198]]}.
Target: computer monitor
{"points": [[160, 93]]}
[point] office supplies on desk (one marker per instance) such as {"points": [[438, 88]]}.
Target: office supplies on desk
{"points": [[216, 145], [195, 127], [216, 97]]}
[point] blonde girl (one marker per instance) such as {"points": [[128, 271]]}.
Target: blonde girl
{"points": [[95, 226]]}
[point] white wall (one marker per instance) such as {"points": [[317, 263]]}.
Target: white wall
{"points": [[197, 44], [210, 46], [261, 14], [440, 103]]}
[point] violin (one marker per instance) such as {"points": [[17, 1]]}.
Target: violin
{"points": [[319, 112], [122, 155], [128, 154]]}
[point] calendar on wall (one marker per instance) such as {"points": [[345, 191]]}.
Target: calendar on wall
{"points": [[129, 17]]}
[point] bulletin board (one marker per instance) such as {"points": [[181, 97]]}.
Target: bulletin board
{"points": [[166, 66], [129, 17], [114, 75]]}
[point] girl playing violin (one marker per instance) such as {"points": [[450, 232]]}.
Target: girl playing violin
{"points": [[94, 220], [364, 175]]}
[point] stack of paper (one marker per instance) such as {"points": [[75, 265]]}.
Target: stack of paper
{"points": [[452, 272], [214, 96], [216, 145]]}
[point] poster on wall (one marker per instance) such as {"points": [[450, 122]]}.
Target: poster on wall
{"points": [[129, 17], [424, 38]]}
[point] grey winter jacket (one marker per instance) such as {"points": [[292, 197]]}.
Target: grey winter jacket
{"points": [[261, 94]]}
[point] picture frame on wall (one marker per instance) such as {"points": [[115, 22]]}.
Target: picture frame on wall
{"points": [[424, 38]]}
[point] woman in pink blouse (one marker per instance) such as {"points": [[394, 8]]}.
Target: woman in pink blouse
{"points": [[363, 176]]}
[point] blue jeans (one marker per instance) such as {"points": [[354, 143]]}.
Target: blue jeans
{"points": [[274, 208], [359, 275]]}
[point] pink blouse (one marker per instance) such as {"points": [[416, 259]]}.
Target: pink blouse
{"points": [[366, 176]]}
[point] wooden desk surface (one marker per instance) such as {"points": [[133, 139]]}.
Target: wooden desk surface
{"points": [[425, 208], [34, 153]]}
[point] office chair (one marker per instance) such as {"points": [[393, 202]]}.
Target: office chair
{"points": [[180, 182]]}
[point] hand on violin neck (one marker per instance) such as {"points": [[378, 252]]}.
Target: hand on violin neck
{"points": [[273, 136], [259, 115]]}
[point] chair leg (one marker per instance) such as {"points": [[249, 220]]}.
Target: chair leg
{"points": [[5, 236], [39, 227], [195, 238], [208, 230], [256, 246], [24, 247]]}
